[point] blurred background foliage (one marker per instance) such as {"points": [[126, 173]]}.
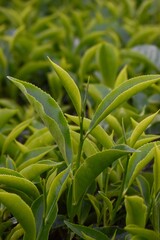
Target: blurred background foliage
{"points": [[65, 30]]}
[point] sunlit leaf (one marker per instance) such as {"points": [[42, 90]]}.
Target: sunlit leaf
{"points": [[22, 212], [136, 211], [50, 113], [91, 168], [120, 95], [70, 87], [78, 229]]}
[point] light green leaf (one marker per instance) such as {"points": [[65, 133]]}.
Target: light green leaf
{"points": [[99, 133], [107, 201], [144, 187], [122, 77], [20, 184], [91, 232], [142, 232], [50, 113], [6, 114], [55, 191], [14, 133], [156, 170], [140, 128], [70, 87], [146, 34], [137, 162], [32, 156], [86, 59], [22, 212], [86, 237], [155, 213], [38, 211], [34, 170], [120, 95], [108, 63], [91, 168], [95, 203], [31, 67], [89, 148], [136, 211]]}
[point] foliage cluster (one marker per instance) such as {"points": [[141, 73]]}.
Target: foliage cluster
{"points": [[82, 161]]}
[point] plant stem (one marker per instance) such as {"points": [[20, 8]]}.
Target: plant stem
{"points": [[81, 141], [120, 196]]}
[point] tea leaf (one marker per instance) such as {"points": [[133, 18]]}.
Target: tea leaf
{"points": [[146, 35], [155, 212], [122, 77], [14, 133], [144, 187], [136, 211], [19, 183], [140, 128], [91, 168], [32, 171], [96, 206], [142, 232], [86, 59], [31, 67], [108, 63], [70, 87], [99, 133], [38, 211], [32, 156], [137, 162], [22, 212], [156, 170], [55, 191], [6, 114], [120, 95], [91, 232], [50, 113]]}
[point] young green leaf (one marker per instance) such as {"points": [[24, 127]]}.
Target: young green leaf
{"points": [[136, 211], [91, 168], [32, 171], [155, 212], [14, 133], [50, 113], [137, 162], [32, 156], [122, 77], [19, 183], [96, 205], [156, 170], [86, 59], [38, 211], [55, 191], [70, 87], [108, 63], [22, 212], [120, 95], [99, 133], [140, 128], [6, 114], [93, 233], [86, 237], [141, 232]]}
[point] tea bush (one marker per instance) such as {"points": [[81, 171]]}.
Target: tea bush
{"points": [[81, 160]]}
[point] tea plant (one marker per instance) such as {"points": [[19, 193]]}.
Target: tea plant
{"points": [[81, 162], [83, 177]]}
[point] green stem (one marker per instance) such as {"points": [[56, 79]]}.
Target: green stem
{"points": [[81, 141], [120, 196]]}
